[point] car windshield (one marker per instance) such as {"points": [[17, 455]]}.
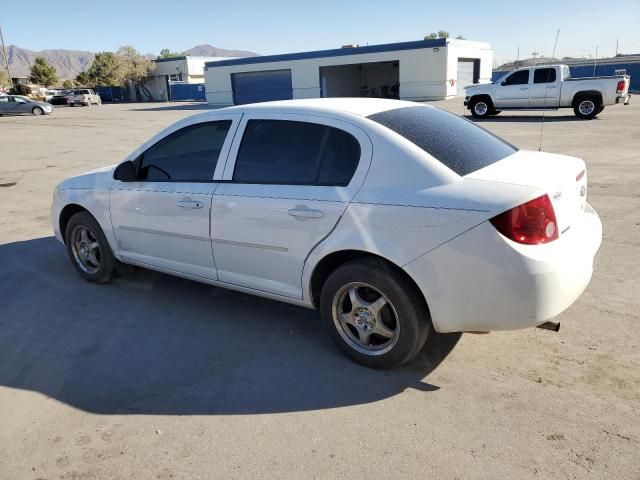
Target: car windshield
{"points": [[456, 142]]}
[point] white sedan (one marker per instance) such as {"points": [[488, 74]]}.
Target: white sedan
{"points": [[389, 217]]}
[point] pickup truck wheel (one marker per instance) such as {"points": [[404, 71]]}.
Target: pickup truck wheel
{"points": [[601, 108], [373, 314], [586, 107], [495, 112], [88, 248], [480, 108]]}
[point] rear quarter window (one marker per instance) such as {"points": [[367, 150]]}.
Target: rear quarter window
{"points": [[454, 141]]}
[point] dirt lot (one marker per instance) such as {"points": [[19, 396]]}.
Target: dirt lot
{"points": [[157, 377]]}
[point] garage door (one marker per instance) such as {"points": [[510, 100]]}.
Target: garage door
{"points": [[251, 87], [465, 74]]}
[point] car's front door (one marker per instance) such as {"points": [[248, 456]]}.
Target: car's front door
{"points": [[288, 180], [162, 218], [4, 104], [513, 91], [545, 88]]}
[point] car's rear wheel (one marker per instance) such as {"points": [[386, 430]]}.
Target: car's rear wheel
{"points": [[481, 108], [374, 314], [88, 248], [586, 107], [37, 111]]}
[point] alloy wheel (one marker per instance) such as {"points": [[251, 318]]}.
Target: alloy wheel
{"points": [[365, 318], [86, 249]]}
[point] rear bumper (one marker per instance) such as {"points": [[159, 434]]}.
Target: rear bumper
{"points": [[482, 281], [623, 99]]}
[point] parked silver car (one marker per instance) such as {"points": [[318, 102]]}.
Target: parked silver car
{"points": [[16, 104]]}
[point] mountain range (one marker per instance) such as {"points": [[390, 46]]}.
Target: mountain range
{"points": [[69, 63]]}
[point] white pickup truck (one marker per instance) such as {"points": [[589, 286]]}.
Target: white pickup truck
{"points": [[547, 87]]}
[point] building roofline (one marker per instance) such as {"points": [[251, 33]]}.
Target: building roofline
{"points": [[335, 52], [170, 59]]}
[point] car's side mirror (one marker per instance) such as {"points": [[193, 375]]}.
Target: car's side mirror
{"points": [[125, 172]]}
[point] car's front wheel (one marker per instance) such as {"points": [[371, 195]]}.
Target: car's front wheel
{"points": [[481, 108], [374, 314], [37, 111], [88, 248]]}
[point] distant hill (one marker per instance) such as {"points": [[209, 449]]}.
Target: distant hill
{"points": [[69, 63], [211, 51]]}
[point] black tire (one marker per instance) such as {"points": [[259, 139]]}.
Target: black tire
{"points": [[105, 260], [404, 313], [495, 112], [600, 109], [37, 111], [586, 107], [481, 107]]}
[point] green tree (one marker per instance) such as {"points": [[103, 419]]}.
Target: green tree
{"points": [[166, 53], [82, 79], [443, 34], [105, 69], [42, 73], [431, 36], [133, 66], [460, 37], [439, 34], [67, 84]]}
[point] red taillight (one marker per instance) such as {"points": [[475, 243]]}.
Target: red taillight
{"points": [[620, 87], [531, 223]]}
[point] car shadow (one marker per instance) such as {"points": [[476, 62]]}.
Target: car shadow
{"points": [[525, 119], [156, 344]]}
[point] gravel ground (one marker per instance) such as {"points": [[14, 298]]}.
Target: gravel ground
{"points": [[157, 377]]}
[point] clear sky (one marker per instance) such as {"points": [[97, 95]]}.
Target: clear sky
{"points": [[291, 26]]}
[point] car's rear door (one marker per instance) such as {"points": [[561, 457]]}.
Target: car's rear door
{"points": [[513, 91], [544, 88], [162, 218], [288, 180]]}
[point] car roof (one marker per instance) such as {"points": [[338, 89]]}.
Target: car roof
{"points": [[362, 107]]}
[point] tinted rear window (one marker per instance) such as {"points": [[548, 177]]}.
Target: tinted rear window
{"points": [[456, 142]]}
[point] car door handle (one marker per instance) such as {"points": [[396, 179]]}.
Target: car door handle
{"points": [[302, 212], [524, 88], [189, 203], [551, 87]]}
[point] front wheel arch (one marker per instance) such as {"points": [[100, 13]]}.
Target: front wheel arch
{"points": [[65, 215]]}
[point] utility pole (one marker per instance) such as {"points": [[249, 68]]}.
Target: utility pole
{"points": [[6, 60], [518, 56], [595, 62], [534, 54], [616, 47]]}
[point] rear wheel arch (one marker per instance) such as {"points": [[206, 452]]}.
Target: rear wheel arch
{"points": [[334, 260], [587, 93]]}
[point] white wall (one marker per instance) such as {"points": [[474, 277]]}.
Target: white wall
{"points": [[467, 49], [424, 73]]}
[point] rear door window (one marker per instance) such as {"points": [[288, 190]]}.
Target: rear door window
{"points": [[295, 153], [544, 75], [188, 155], [456, 142]]}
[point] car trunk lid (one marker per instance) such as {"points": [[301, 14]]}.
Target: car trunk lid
{"points": [[562, 178]]}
